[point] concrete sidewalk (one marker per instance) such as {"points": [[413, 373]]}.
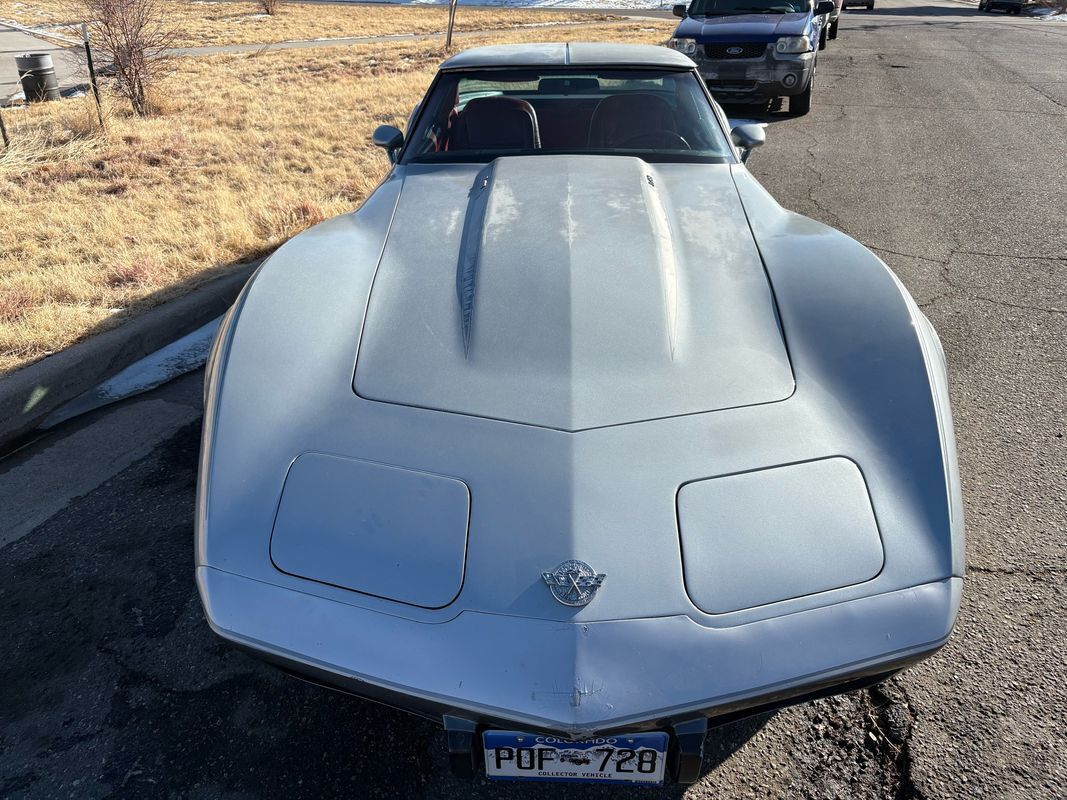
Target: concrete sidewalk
{"points": [[15, 42]]}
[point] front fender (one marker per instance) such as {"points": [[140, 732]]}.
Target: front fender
{"points": [[856, 337]]}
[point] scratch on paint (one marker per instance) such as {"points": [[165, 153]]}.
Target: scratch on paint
{"points": [[580, 692], [575, 694]]}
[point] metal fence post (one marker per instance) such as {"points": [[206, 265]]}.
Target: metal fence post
{"points": [[451, 23], [92, 74]]}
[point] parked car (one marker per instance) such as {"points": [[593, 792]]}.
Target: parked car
{"points": [[868, 4], [573, 439], [1008, 6], [754, 49]]}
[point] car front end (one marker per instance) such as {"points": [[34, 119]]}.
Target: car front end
{"points": [[737, 69], [543, 468]]}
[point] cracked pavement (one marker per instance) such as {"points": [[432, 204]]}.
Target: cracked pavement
{"points": [[938, 137]]}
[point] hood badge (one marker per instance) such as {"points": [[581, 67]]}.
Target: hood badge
{"points": [[734, 51], [573, 583]]}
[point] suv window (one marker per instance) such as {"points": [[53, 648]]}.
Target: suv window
{"points": [[716, 8]]}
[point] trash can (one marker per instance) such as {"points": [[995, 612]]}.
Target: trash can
{"points": [[38, 76]]}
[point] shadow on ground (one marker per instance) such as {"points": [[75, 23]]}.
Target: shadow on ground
{"points": [[114, 685], [770, 111]]}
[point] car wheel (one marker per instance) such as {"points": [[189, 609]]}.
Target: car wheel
{"points": [[800, 104], [833, 29]]}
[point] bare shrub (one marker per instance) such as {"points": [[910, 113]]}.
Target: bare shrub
{"points": [[270, 6], [136, 37]]}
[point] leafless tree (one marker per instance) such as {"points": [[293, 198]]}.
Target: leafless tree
{"points": [[136, 37], [270, 6]]}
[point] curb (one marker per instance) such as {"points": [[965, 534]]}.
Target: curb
{"points": [[28, 395]]}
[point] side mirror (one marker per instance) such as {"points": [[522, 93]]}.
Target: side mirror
{"points": [[824, 7], [679, 10], [747, 138], [388, 137]]}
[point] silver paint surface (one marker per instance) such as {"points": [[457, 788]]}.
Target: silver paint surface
{"points": [[411, 552], [599, 54], [579, 296], [743, 535]]}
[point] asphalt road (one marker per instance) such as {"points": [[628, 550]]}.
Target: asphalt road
{"points": [[938, 137]]}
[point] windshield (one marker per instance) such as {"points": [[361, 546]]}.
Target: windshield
{"points": [[481, 115], [721, 8]]}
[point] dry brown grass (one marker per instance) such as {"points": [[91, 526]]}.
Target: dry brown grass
{"points": [[252, 149], [209, 22]]}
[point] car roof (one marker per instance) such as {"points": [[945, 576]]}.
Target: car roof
{"points": [[562, 54]]}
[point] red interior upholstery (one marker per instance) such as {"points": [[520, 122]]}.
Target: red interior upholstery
{"points": [[625, 116], [495, 123]]}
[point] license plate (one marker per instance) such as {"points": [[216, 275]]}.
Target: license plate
{"points": [[629, 758]]}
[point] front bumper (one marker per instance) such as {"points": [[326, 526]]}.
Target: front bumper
{"points": [[773, 75], [577, 680]]}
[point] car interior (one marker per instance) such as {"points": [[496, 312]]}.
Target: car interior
{"points": [[564, 113]]}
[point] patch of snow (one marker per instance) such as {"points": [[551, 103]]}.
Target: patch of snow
{"points": [[166, 364], [39, 30], [1047, 15]]}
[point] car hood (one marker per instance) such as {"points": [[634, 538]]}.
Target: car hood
{"points": [[745, 28], [571, 292]]}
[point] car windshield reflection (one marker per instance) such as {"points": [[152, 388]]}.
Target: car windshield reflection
{"points": [[481, 115], [723, 8]]}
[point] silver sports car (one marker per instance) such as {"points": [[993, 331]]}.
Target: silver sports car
{"points": [[574, 440]]}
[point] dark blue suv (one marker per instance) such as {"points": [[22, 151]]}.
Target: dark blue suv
{"points": [[751, 49]]}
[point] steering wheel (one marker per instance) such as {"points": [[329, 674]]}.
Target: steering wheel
{"points": [[661, 137]]}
